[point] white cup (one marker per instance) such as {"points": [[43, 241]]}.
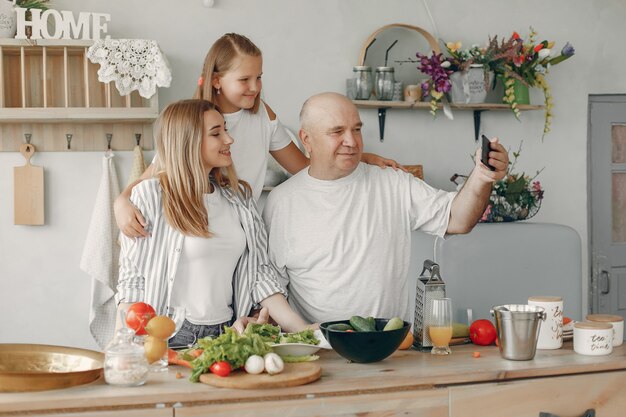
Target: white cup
{"points": [[593, 338], [616, 321], [551, 331]]}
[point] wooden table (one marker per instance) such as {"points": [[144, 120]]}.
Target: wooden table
{"points": [[408, 383]]}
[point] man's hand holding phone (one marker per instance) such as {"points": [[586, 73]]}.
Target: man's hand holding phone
{"points": [[486, 148]]}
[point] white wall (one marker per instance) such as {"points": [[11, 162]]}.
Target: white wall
{"points": [[310, 46]]}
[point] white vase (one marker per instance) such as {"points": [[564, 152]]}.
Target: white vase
{"points": [[8, 19], [469, 86]]}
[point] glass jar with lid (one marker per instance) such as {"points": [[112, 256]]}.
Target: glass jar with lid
{"points": [[124, 361], [384, 83], [362, 74]]}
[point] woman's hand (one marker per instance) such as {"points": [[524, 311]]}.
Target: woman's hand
{"points": [[129, 219], [242, 322], [373, 159]]}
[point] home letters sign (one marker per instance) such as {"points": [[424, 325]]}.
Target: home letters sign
{"points": [[64, 26]]}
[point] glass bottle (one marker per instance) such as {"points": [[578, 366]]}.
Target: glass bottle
{"points": [[384, 83], [363, 76], [124, 361]]}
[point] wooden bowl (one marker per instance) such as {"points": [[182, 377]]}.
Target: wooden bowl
{"points": [[28, 367]]}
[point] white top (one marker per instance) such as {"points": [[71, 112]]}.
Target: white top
{"points": [[343, 246], [204, 279], [255, 135]]}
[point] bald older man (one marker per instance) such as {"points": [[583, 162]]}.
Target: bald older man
{"points": [[340, 230]]}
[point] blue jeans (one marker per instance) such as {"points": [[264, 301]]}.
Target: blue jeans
{"points": [[189, 333]]}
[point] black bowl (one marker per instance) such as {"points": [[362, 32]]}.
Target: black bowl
{"points": [[365, 347]]}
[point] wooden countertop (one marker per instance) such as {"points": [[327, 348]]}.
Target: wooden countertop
{"points": [[403, 371]]}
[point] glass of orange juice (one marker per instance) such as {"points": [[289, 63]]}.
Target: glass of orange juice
{"points": [[440, 326]]}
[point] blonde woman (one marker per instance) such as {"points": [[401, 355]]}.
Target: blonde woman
{"points": [[207, 245]]}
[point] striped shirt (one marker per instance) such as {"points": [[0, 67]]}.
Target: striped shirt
{"points": [[148, 265]]}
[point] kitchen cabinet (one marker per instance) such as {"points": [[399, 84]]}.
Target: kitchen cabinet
{"points": [[407, 383], [49, 89]]}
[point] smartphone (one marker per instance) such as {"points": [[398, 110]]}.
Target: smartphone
{"points": [[486, 148]]}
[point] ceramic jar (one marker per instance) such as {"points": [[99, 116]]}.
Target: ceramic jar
{"points": [[616, 321], [593, 338], [551, 332]]}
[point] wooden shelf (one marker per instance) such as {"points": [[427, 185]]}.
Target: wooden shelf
{"points": [[476, 108], [423, 105], [49, 88]]}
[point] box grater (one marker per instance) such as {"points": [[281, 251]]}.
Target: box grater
{"points": [[429, 286]]}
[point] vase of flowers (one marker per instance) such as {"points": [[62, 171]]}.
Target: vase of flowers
{"points": [[526, 62], [471, 79]]}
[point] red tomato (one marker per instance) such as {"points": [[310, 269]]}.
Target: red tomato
{"points": [[221, 368], [482, 332], [138, 315]]}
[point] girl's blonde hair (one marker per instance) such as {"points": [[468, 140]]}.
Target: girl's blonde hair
{"points": [[219, 60], [180, 170]]}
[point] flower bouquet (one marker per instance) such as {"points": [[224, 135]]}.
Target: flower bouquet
{"points": [[438, 69], [525, 61]]}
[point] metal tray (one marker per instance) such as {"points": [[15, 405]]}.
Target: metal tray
{"points": [[28, 367]]}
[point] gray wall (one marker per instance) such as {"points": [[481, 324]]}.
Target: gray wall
{"points": [[308, 47]]}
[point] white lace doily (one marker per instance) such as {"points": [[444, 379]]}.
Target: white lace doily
{"points": [[134, 64]]}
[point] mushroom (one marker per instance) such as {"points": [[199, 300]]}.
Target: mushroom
{"points": [[273, 363]]}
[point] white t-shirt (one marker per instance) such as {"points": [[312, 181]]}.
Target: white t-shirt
{"points": [[255, 135], [343, 246], [204, 279]]}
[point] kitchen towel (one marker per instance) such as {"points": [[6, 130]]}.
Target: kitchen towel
{"points": [[138, 167], [100, 255]]}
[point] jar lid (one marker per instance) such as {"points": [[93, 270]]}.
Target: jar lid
{"points": [[545, 299], [361, 68], [606, 318], [593, 325], [385, 69]]}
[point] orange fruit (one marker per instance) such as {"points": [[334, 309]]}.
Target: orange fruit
{"points": [[407, 342], [161, 327]]}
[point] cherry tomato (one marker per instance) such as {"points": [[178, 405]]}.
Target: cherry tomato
{"points": [[221, 368], [138, 315], [482, 332]]}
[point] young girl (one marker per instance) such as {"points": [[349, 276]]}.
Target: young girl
{"points": [[231, 78], [208, 247]]}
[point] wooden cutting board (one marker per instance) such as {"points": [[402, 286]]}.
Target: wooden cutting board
{"points": [[28, 190], [293, 374]]}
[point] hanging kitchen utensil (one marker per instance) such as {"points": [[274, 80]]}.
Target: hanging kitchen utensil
{"points": [[28, 190]]}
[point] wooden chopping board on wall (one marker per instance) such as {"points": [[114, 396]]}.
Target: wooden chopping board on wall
{"points": [[28, 190], [294, 374]]}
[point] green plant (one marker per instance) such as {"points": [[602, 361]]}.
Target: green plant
{"points": [[33, 4]]}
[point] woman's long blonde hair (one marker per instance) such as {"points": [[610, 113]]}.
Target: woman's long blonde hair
{"points": [[180, 170], [219, 60]]}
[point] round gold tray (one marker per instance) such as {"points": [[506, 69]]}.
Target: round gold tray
{"points": [[28, 367]]}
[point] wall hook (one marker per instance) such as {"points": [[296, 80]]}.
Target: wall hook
{"points": [[27, 137], [138, 138], [68, 137], [109, 139]]}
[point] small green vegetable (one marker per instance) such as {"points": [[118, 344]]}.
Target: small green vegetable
{"points": [[361, 324], [394, 323], [342, 327]]}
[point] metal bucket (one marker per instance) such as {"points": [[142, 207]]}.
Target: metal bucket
{"points": [[518, 330]]}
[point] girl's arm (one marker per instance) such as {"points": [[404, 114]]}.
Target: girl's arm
{"points": [[283, 314], [291, 158], [128, 218], [373, 159]]}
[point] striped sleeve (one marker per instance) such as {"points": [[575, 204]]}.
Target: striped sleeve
{"points": [[135, 253]]}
